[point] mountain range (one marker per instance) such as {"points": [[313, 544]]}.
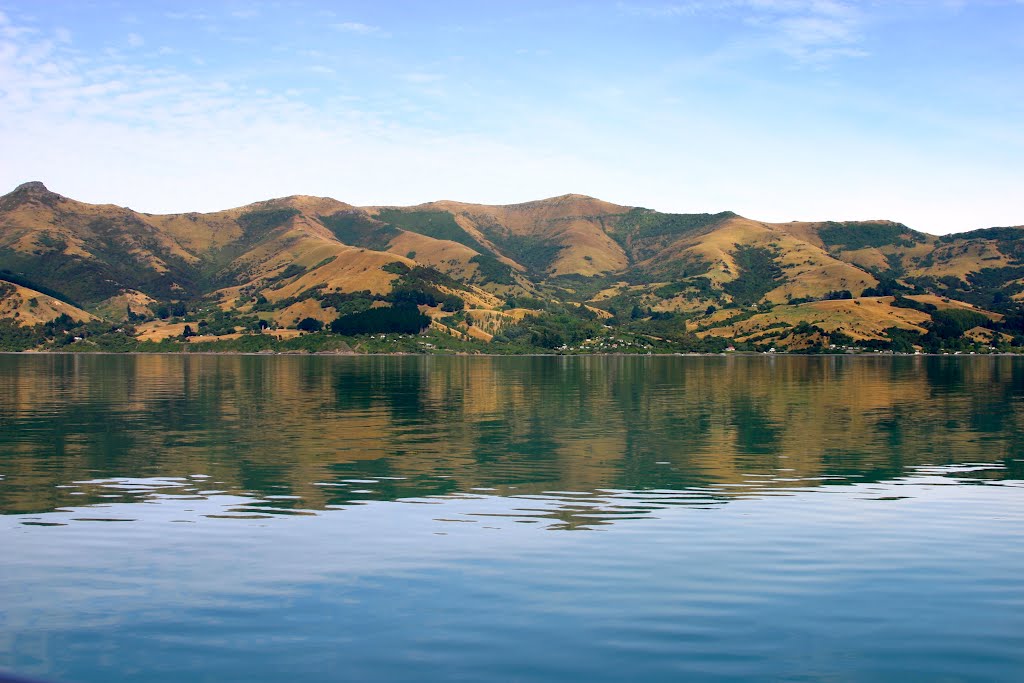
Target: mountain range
{"points": [[570, 273]]}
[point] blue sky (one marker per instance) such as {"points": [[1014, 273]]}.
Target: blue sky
{"points": [[776, 109]]}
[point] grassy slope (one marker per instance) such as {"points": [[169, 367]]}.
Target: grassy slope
{"points": [[28, 307], [572, 248]]}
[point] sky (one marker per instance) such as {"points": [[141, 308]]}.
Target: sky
{"points": [[779, 110]]}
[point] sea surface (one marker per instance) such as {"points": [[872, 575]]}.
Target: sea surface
{"points": [[175, 518]]}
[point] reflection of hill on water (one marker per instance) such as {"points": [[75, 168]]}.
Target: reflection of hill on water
{"points": [[622, 435], [116, 500]]}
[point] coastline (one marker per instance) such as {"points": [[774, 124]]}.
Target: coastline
{"points": [[731, 354]]}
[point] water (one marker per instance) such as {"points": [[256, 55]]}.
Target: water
{"points": [[232, 518]]}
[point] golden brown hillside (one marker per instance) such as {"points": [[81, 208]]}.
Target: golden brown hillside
{"points": [[27, 307], [570, 228], [586, 270]]}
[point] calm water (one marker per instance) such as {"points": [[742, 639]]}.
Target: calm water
{"points": [[174, 518]]}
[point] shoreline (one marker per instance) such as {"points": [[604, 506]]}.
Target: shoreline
{"points": [[342, 354]]}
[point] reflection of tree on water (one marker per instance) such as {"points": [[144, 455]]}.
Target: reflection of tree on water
{"points": [[311, 432]]}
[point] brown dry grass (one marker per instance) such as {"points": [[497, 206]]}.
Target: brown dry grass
{"points": [[863, 318], [158, 330], [117, 307], [17, 305], [960, 258], [572, 221]]}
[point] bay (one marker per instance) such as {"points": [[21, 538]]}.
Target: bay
{"points": [[251, 518]]}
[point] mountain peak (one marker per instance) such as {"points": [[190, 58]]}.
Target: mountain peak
{"points": [[32, 191], [33, 187], [564, 202], [562, 198]]}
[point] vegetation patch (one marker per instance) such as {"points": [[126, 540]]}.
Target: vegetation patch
{"points": [[257, 224], [1009, 240], [642, 233], [535, 253], [552, 330], [759, 274], [419, 286], [889, 286], [853, 235], [639, 224], [18, 279], [440, 225], [492, 270], [401, 318], [347, 302], [83, 282], [953, 322], [900, 301], [356, 229], [989, 288]]}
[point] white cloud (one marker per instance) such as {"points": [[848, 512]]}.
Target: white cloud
{"points": [[9, 30], [101, 128], [135, 40], [356, 27], [193, 16], [663, 10], [806, 30], [422, 77]]}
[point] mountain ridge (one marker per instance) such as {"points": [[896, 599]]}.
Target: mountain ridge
{"points": [[581, 265]]}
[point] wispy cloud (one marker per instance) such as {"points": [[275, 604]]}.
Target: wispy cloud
{"points": [[10, 31], [190, 16], [62, 109], [813, 30], [534, 52], [356, 27], [135, 40], [422, 77], [663, 10], [158, 128], [809, 31]]}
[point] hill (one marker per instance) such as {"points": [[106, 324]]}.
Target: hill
{"points": [[570, 273]]}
